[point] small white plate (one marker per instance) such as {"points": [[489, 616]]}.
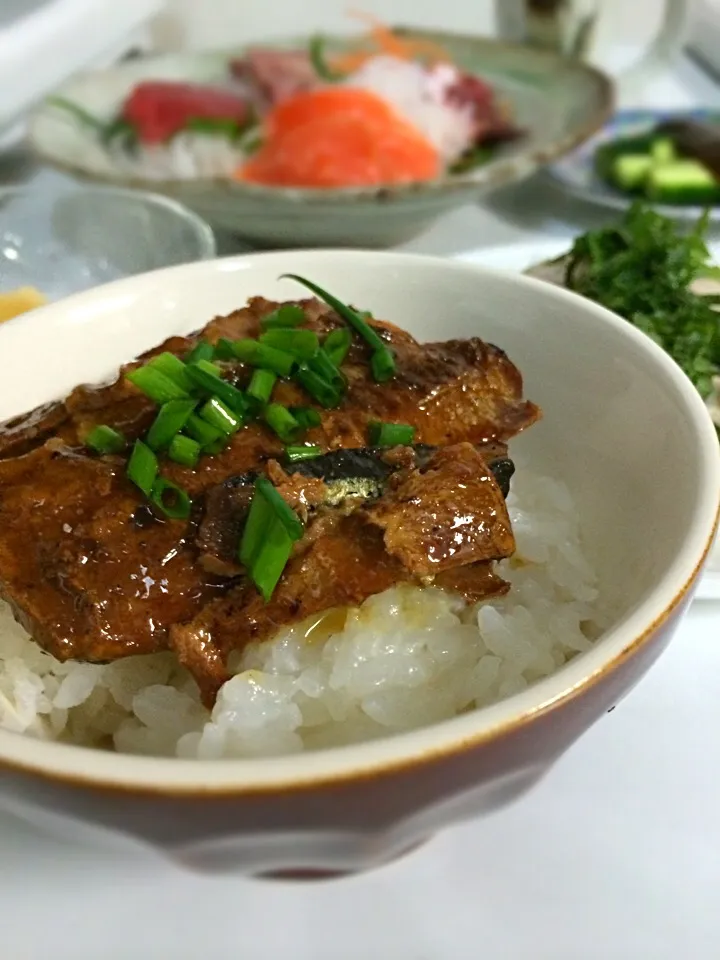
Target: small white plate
{"points": [[575, 172], [518, 257]]}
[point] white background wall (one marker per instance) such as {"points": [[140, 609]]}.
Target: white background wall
{"points": [[217, 23]]}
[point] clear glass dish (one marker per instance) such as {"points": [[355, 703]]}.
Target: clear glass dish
{"points": [[83, 237]]}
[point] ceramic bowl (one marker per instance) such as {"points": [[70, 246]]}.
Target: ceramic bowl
{"points": [[623, 428], [575, 172], [558, 102], [86, 236]]}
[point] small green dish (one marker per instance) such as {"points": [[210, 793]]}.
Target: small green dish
{"points": [[559, 103]]}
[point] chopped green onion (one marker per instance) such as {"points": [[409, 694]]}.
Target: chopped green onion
{"points": [[288, 315], [317, 58], [322, 365], [224, 350], [356, 321], [261, 355], [326, 394], [220, 416], [183, 450], [337, 343], [309, 452], [382, 364], [201, 431], [282, 508], [119, 129], [104, 439], [390, 434], [266, 542], [170, 420], [142, 467], [303, 344], [201, 351], [307, 417], [260, 516], [213, 385], [212, 368], [172, 367], [156, 385], [261, 386], [171, 499], [272, 558], [279, 419], [214, 126]]}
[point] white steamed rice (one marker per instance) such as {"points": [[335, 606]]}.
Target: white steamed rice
{"points": [[405, 658]]}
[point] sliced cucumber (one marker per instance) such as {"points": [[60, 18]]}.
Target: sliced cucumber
{"points": [[630, 172], [684, 181], [662, 150]]}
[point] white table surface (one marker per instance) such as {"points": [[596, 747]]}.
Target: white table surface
{"points": [[615, 856]]}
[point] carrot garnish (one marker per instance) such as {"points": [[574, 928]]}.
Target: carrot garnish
{"points": [[382, 40]]}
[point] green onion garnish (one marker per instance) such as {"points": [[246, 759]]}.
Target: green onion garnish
{"points": [[337, 343], [201, 351], [261, 355], [390, 434], [224, 350], [272, 559], [279, 419], [77, 111], [317, 58], [322, 365], [283, 511], [172, 367], [142, 467], [103, 439], [208, 367], [220, 416], [183, 450], [306, 416], [260, 516], [357, 322], [214, 126], [326, 394], [205, 435], [156, 385], [170, 420], [171, 499], [303, 344], [266, 542], [382, 364], [213, 385], [309, 452], [288, 315], [261, 386]]}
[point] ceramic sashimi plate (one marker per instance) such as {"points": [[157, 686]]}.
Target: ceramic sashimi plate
{"points": [[575, 171], [555, 103], [521, 257]]}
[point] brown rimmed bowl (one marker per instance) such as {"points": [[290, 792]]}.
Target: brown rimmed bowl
{"points": [[623, 428]]}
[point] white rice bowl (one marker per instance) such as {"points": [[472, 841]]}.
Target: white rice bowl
{"points": [[406, 658]]}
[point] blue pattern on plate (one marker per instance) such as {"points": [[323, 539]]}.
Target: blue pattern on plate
{"points": [[576, 173]]}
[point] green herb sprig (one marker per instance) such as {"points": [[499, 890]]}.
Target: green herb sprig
{"points": [[644, 269]]}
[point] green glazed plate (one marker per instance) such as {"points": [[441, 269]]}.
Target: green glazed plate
{"points": [[559, 103]]}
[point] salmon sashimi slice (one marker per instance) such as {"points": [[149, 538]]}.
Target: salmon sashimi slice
{"points": [[340, 137]]}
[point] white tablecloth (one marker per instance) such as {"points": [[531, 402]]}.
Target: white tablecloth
{"points": [[615, 856]]}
